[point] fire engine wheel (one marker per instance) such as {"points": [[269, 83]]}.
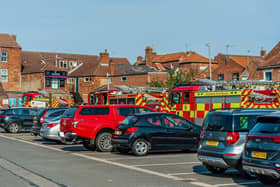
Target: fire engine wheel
{"points": [[104, 142], [13, 127], [89, 144]]}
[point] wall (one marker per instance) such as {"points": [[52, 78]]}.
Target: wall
{"points": [[32, 82]]}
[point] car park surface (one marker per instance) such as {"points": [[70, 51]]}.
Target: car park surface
{"points": [[175, 168]]}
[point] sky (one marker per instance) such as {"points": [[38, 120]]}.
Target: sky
{"points": [[126, 27]]}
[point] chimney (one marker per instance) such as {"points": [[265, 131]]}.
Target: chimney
{"points": [[111, 68], [104, 58], [149, 56], [263, 52], [14, 37], [139, 60]]}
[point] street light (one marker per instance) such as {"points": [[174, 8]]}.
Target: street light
{"points": [[209, 54]]}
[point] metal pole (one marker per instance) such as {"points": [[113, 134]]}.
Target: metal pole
{"points": [[209, 54]]}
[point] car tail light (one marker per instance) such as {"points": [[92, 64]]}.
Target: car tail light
{"points": [[3, 116], [52, 125], [75, 122], [232, 137], [43, 117], [131, 130], [276, 139]]}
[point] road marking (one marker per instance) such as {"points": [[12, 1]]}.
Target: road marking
{"points": [[238, 183], [130, 167], [145, 157], [27, 175], [190, 173], [166, 164]]}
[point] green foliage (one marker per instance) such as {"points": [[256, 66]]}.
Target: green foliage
{"points": [[175, 76]]}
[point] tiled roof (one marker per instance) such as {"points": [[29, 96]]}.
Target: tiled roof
{"points": [[274, 52], [168, 57], [7, 40], [245, 60], [193, 57], [275, 61], [127, 69]]}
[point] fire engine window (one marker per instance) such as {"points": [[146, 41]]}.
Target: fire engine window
{"points": [[176, 98], [186, 97]]}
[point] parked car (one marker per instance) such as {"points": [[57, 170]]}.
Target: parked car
{"points": [[262, 150], [16, 119], [95, 123], [45, 115], [223, 137], [141, 133]]}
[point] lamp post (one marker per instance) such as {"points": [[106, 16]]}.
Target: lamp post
{"points": [[108, 81], [209, 54]]}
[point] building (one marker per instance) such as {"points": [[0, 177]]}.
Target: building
{"points": [[237, 67], [270, 69]]}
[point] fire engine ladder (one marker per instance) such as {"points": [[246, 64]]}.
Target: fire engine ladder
{"points": [[131, 89]]}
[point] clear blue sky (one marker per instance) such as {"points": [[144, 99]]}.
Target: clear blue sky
{"points": [[126, 27]]}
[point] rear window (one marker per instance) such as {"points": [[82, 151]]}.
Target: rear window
{"points": [[130, 120], [95, 111], [217, 122], [267, 125], [56, 114], [125, 111], [69, 113]]}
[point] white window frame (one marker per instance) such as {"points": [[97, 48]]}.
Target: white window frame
{"points": [[244, 78], [87, 79], [70, 81], [4, 56], [124, 78], [56, 81], [264, 74], [6, 74], [64, 64], [72, 63]]}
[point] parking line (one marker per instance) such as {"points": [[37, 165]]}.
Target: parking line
{"points": [[166, 164], [134, 168], [235, 184], [144, 157], [190, 173]]}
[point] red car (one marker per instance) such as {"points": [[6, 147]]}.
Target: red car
{"points": [[96, 123]]}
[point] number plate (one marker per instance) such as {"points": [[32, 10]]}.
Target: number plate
{"points": [[212, 143], [261, 155], [118, 133]]}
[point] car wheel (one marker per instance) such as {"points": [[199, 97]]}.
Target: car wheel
{"points": [[122, 150], [89, 144], [140, 147], [67, 142], [267, 179], [104, 142], [215, 170], [13, 127]]}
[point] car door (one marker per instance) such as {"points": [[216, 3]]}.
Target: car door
{"points": [[181, 134], [27, 118]]}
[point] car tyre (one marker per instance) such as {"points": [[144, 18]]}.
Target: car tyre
{"points": [[215, 170], [104, 142], [122, 150], [13, 127], [89, 144], [63, 141], [267, 179], [140, 147]]}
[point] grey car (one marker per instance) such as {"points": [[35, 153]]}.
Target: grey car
{"points": [[50, 129], [262, 150], [223, 138]]}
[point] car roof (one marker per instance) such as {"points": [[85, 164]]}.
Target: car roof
{"points": [[273, 114], [242, 111], [112, 105]]}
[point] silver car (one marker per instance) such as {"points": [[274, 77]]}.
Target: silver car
{"points": [[50, 129]]}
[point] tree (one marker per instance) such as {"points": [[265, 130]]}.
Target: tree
{"points": [[174, 76]]}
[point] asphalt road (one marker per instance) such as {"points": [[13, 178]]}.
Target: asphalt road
{"points": [[30, 161]]}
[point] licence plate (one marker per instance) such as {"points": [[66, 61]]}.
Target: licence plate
{"points": [[61, 134], [212, 143], [118, 133], [256, 154]]}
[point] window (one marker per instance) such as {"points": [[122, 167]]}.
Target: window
{"points": [[63, 64], [70, 81], [175, 122], [186, 97], [110, 80], [48, 83], [4, 75], [69, 113], [124, 78], [62, 83], [153, 120], [56, 114], [54, 84], [125, 111], [4, 56], [268, 75], [235, 76], [72, 63], [176, 98], [221, 77], [95, 111], [244, 78], [87, 79]]}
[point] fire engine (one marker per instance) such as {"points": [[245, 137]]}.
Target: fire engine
{"points": [[144, 96], [41, 99], [195, 101]]}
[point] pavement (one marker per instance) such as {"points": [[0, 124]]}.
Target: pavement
{"points": [[32, 161]]}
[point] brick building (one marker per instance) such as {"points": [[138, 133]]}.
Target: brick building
{"points": [[270, 69], [10, 70], [185, 61], [237, 67]]}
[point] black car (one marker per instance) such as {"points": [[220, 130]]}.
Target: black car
{"points": [[141, 133], [43, 115], [15, 119], [262, 149]]}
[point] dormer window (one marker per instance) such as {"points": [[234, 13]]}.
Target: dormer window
{"points": [[63, 64], [72, 63]]}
